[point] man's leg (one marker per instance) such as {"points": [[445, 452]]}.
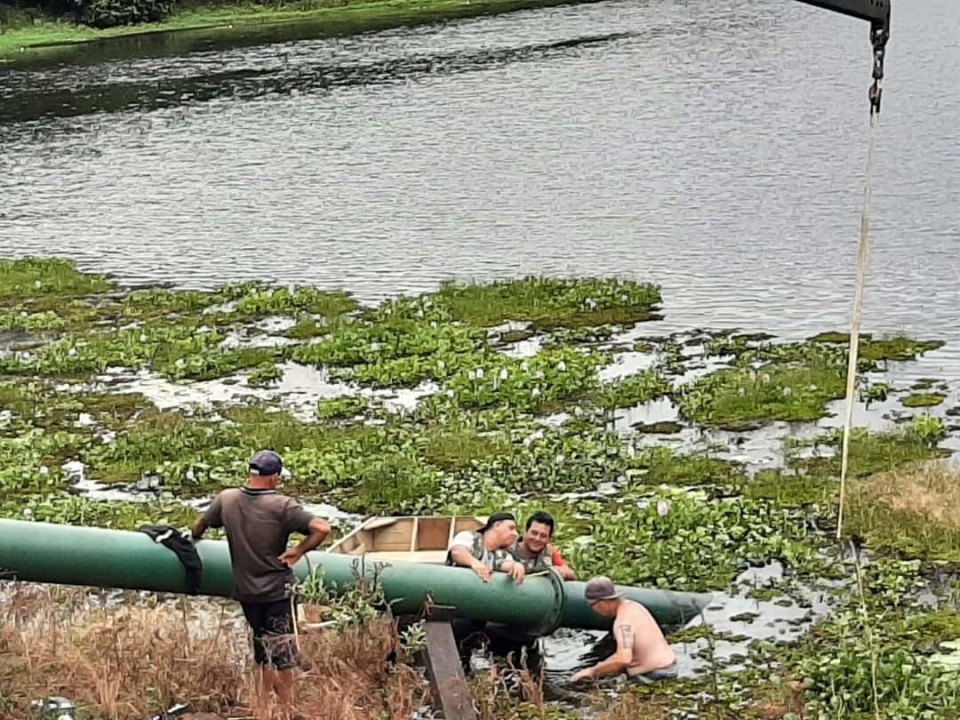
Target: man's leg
{"points": [[468, 634], [263, 675], [281, 626]]}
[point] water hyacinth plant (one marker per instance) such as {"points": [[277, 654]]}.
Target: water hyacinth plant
{"points": [[511, 394]]}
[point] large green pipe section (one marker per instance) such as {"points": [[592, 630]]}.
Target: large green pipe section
{"points": [[98, 557]]}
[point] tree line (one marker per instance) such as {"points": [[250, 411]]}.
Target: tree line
{"points": [[99, 13]]}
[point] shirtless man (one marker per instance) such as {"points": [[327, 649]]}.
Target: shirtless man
{"points": [[642, 652]]}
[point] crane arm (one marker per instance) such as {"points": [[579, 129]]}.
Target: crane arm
{"points": [[877, 13], [873, 11]]}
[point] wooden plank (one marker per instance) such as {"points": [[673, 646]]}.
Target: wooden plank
{"points": [[413, 535], [451, 693], [433, 533]]}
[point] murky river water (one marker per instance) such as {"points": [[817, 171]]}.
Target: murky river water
{"points": [[716, 148]]}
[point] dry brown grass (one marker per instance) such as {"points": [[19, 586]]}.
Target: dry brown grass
{"points": [[915, 510], [133, 660], [931, 492]]}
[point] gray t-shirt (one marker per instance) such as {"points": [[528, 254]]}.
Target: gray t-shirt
{"points": [[473, 540], [258, 525]]}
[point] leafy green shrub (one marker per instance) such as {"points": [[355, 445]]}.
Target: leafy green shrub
{"points": [[112, 13]]}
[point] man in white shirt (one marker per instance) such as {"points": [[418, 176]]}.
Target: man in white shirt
{"points": [[485, 551]]}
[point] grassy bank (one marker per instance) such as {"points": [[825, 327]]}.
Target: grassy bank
{"points": [[479, 397], [25, 35]]}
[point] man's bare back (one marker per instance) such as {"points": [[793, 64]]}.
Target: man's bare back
{"points": [[635, 628]]}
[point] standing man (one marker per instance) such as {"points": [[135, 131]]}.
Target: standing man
{"points": [[643, 654], [258, 521], [535, 551]]}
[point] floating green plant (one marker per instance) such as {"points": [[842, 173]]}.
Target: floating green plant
{"points": [[46, 278], [923, 400], [742, 396], [545, 302], [897, 348]]}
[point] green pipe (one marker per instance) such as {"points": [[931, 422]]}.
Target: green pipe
{"points": [[98, 557]]}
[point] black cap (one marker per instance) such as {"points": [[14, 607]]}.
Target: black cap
{"points": [[495, 518]]}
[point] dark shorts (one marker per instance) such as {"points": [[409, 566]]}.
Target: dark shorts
{"points": [[274, 642], [667, 673]]}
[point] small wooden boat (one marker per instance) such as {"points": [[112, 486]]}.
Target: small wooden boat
{"points": [[406, 538]]}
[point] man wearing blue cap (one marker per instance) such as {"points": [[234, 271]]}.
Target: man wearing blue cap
{"points": [[258, 521]]}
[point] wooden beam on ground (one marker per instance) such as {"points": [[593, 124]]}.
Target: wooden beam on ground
{"points": [[451, 693]]}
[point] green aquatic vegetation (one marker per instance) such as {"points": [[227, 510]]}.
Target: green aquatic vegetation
{"points": [[216, 362], [130, 348], [558, 461], [192, 459], [66, 509], [662, 465], [509, 337], [740, 396], [458, 448], [873, 391], [341, 408], [264, 300], [791, 489], [30, 462], [897, 348], [633, 390], [265, 374], [46, 278], [405, 371], [21, 319], [392, 482], [870, 452], [159, 301], [923, 400], [835, 658], [550, 376], [359, 342], [684, 541], [547, 303], [664, 427], [35, 404], [308, 327]]}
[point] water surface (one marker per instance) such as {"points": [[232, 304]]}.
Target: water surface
{"points": [[715, 148]]}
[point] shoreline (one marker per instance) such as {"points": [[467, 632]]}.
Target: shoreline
{"points": [[223, 21]]}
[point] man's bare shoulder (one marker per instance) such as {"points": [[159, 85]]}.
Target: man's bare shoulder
{"points": [[634, 613]]}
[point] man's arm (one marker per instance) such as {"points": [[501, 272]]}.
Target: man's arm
{"points": [[513, 568], [618, 662], [210, 519], [317, 531], [563, 570]]}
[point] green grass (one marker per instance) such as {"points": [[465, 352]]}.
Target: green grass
{"points": [[343, 17]]}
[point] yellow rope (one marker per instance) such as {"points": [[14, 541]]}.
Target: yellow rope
{"points": [[855, 320]]}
